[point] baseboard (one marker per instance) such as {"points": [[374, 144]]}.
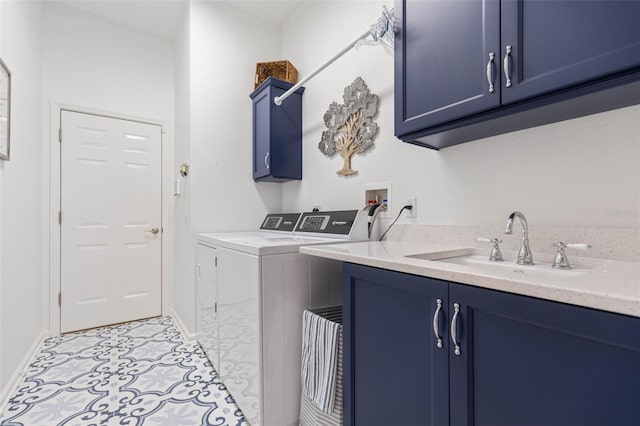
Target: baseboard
{"points": [[188, 337], [18, 375]]}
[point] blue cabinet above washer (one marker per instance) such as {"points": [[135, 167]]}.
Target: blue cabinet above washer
{"points": [[277, 133]]}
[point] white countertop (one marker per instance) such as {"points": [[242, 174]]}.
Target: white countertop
{"points": [[595, 283]]}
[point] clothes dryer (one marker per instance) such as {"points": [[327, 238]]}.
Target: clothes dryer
{"points": [[252, 290]]}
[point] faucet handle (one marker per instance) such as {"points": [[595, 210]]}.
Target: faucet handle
{"points": [[561, 261], [495, 255], [579, 246]]}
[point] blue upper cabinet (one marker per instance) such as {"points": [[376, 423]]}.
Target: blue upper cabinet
{"points": [[442, 56], [546, 60], [563, 43], [277, 133]]}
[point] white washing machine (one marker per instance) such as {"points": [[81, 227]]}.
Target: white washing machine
{"points": [[252, 288]]}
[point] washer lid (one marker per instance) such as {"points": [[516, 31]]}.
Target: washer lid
{"points": [[261, 243]]}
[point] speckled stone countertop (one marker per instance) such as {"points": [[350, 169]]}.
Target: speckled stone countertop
{"points": [[604, 284]]}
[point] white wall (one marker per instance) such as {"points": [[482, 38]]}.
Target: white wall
{"points": [[3, 381], [225, 45], [92, 62], [583, 172], [183, 241], [21, 190], [96, 64]]}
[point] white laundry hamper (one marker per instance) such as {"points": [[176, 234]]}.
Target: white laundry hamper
{"points": [[310, 413]]}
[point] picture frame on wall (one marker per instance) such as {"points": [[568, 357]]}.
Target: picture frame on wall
{"points": [[5, 110]]}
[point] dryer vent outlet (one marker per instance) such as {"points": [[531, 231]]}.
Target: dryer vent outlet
{"points": [[377, 193]]}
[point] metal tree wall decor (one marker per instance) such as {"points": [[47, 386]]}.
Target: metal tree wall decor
{"points": [[350, 126]]}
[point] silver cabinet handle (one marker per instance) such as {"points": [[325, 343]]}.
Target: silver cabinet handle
{"points": [[454, 326], [490, 72], [266, 160], [507, 66], [154, 231], [436, 325]]}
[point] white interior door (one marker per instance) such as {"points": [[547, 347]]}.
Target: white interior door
{"points": [[110, 221]]}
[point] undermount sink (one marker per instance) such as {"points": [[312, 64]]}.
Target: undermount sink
{"points": [[481, 263]]}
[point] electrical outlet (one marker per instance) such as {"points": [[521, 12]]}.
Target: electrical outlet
{"points": [[413, 202]]}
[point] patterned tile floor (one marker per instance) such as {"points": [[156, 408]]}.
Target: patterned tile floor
{"points": [[138, 373]]}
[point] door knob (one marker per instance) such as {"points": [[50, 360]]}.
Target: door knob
{"points": [[154, 231]]}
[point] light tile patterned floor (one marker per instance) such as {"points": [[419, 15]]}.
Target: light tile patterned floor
{"points": [[138, 373]]}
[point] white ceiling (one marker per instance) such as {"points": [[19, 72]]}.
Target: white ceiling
{"points": [[162, 17], [276, 12]]}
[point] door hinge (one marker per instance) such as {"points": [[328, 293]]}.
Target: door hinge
{"points": [[59, 217], [60, 135], [215, 261], [60, 299], [215, 307]]}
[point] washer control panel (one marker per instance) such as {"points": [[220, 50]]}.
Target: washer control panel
{"points": [[335, 222], [314, 223], [280, 222]]}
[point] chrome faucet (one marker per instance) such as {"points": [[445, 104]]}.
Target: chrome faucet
{"points": [[524, 255]]}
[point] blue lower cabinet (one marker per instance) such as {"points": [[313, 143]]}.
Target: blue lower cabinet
{"points": [[526, 361], [394, 373], [520, 360]]}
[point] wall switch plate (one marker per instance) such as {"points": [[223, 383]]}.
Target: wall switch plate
{"points": [[413, 202]]}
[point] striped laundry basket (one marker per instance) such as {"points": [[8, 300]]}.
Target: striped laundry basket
{"points": [[319, 325]]}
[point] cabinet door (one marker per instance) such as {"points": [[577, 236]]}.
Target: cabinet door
{"points": [[527, 361], [207, 302], [394, 372], [262, 107], [277, 133], [563, 43], [442, 52]]}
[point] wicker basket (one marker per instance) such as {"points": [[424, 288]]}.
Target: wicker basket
{"points": [[282, 70]]}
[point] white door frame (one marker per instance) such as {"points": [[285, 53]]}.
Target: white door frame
{"points": [[52, 199]]}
